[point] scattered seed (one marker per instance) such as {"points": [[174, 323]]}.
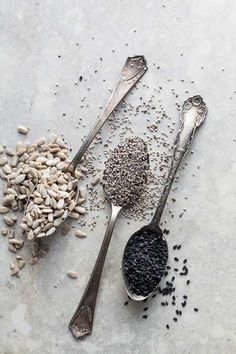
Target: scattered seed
{"points": [[71, 274], [96, 179], [3, 209], [22, 129], [80, 233]]}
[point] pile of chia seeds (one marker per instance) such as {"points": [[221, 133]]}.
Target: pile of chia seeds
{"points": [[125, 173], [144, 261]]}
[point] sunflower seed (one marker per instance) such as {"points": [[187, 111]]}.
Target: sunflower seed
{"points": [[14, 271], [80, 210], [80, 234], [21, 263], [22, 129], [8, 199], [83, 192], [3, 209], [12, 248], [16, 242], [9, 152], [71, 274], [50, 231], [14, 161], [74, 215], [8, 220], [96, 179], [1, 149], [40, 141], [6, 169], [4, 231], [60, 204], [3, 161], [19, 179]]}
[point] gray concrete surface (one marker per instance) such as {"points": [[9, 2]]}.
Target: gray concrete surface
{"points": [[190, 40]]}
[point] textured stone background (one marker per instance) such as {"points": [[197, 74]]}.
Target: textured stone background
{"points": [[33, 313]]}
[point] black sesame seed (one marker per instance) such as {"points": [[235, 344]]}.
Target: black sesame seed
{"points": [[176, 269], [145, 316], [196, 309], [167, 326], [188, 282], [145, 309], [175, 319], [173, 278], [173, 303], [185, 261], [176, 259], [185, 297], [178, 247], [126, 303], [80, 78]]}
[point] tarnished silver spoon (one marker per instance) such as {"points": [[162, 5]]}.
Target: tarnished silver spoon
{"points": [[146, 253]]}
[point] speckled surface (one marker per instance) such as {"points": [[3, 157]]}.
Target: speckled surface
{"points": [[35, 309]]}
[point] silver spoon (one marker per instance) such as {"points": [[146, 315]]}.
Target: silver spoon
{"points": [[81, 323], [133, 69], [149, 241]]}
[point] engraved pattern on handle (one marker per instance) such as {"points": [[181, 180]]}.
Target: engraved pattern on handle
{"points": [[195, 110], [133, 70], [81, 323]]}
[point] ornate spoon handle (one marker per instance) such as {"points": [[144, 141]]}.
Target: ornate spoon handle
{"points": [[133, 70], [192, 116], [82, 320]]}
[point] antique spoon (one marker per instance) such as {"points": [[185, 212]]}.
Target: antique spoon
{"points": [[81, 323], [140, 278], [133, 69]]}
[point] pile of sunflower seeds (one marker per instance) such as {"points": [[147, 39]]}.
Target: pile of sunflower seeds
{"points": [[125, 173], [36, 184], [51, 202]]}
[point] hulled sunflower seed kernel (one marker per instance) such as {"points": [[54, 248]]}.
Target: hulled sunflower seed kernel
{"points": [[22, 129], [71, 274], [83, 193], [14, 271], [12, 248], [7, 169], [80, 233], [3, 161], [96, 179], [8, 220], [10, 152], [8, 199], [21, 263], [1, 149], [4, 231], [81, 210], [3, 209]]}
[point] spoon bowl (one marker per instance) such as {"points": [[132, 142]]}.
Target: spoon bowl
{"points": [[145, 245]]}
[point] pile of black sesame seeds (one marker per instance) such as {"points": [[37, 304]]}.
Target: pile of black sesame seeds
{"points": [[168, 294]]}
